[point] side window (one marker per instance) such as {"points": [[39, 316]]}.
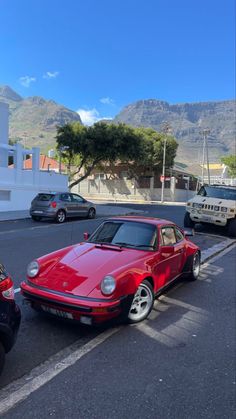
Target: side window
{"points": [[77, 198], [168, 236], [179, 235], [65, 197]]}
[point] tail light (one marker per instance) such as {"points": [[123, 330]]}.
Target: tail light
{"points": [[6, 289], [53, 204]]}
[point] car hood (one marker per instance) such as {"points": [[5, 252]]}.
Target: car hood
{"points": [[83, 267]]}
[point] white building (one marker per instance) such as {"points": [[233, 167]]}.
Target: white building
{"points": [[19, 186]]}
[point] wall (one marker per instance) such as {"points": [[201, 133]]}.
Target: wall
{"points": [[16, 193], [123, 189]]}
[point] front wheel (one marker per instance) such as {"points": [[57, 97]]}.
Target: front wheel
{"points": [[188, 222], [195, 268], [2, 357], [142, 303], [91, 213], [232, 227], [61, 216]]}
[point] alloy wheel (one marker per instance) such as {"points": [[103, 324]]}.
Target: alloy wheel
{"points": [[142, 303]]}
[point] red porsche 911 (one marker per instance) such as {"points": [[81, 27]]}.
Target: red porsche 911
{"points": [[117, 271]]}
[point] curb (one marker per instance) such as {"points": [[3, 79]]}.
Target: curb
{"points": [[216, 249]]}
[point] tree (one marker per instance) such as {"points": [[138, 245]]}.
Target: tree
{"points": [[88, 147], [230, 161]]}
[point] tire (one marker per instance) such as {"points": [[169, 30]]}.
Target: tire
{"points": [[195, 268], [187, 221], [2, 357], [36, 218], [61, 216], [232, 227], [140, 309], [91, 213]]}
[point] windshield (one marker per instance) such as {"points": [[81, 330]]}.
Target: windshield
{"points": [[126, 234], [221, 193], [44, 196]]}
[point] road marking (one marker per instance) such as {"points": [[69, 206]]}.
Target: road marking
{"points": [[22, 388]]}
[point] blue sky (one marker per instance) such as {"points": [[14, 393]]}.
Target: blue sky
{"points": [[97, 56]]}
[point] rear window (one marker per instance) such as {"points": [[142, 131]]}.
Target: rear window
{"points": [[44, 197]]}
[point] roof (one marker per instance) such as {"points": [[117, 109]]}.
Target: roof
{"points": [[149, 220], [45, 163]]}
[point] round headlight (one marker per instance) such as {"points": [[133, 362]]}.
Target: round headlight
{"points": [[108, 285], [33, 269]]}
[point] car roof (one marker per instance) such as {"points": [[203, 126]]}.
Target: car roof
{"points": [[149, 220]]}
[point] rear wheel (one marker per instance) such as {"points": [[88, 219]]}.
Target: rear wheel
{"points": [[36, 218], [188, 222], [195, 268], [91, 213], [2, 357], [61, 216], [232, 227], [142, 303]]}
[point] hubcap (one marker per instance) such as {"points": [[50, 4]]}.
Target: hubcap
{"points": [[141, 304], [61, 217], [91, 213], [196, 265]]}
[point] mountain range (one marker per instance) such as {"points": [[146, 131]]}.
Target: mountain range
{"points": [[33, 121]]}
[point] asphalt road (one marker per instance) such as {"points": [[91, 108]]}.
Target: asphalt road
{"points": [[180, 363], [41, 337]]}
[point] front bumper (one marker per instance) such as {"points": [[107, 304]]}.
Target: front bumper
{"points": [[198, 216], [82, 309]]}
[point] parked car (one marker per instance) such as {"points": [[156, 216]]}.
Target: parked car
{"points": [[9, 315], [60, 206], [117, 271], [214, 204]]}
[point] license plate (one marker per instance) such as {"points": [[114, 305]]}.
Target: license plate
{"points": [[58, 313], [38, 212], [205, 218]]}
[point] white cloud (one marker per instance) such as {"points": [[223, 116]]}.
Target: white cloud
{"points": [[107, 101], [51, 75], [90, 116], [26, 80]]}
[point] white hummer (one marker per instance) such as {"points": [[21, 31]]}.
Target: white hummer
{"points": [[214, 204]]}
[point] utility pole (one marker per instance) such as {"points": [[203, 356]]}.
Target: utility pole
{"points": [[166, 129], [205, 133]]}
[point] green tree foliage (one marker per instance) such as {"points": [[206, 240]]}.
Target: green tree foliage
{"points": [[89, 147], [230, 161]]}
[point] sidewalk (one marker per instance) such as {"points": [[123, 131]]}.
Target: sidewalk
{"points": [[102, 210]]}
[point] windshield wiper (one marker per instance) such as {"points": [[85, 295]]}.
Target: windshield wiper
{"points": [[134, 245]]}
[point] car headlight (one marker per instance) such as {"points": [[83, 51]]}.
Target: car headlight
{"points": [[195, 205], [223, 209], [33, 269], [108, 285], [216, 208]]}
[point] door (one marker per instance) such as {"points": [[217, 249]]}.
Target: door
{"points": [[171, 254], [80, 205], [67, 204]]}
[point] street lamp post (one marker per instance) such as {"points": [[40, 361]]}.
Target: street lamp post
{"points": [[166, 130], [205, 133]]}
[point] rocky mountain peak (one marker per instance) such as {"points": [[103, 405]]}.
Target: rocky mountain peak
{"points": [[8, 93]]}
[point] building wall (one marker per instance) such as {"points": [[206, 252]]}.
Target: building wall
{"points": [[126, 190]]}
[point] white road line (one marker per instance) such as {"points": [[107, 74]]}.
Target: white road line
{"points": [[18, 393]]}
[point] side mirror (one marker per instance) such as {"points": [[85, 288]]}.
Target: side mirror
{"points": [[167, 249], [86, 236], [189, 232]]}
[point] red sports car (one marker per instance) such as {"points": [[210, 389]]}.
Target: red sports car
{"points": [[117, 271]]}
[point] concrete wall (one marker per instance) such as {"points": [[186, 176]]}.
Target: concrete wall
{"points": [[123, 189], [17, 192], [4, 115]]}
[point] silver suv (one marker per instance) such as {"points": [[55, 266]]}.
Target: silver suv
{"points": [[61, 205]]}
